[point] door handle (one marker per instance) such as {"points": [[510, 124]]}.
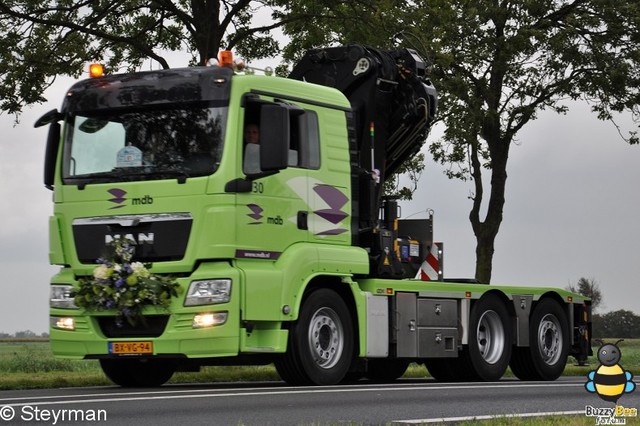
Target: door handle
{"points": [[302, 220]]}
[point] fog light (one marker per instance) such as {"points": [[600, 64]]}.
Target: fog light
{"points": [[209, 319], [63, 323]]}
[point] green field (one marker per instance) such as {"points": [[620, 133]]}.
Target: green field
{"points": [[29, 363]]}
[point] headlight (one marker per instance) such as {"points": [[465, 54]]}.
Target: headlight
{"points": [[208, 292], [60, 297]]}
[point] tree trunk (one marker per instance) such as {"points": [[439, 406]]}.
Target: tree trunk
{"points": [[487, 230], [208, 29]]}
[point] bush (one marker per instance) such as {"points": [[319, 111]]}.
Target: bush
{"points": [[622, 324]]}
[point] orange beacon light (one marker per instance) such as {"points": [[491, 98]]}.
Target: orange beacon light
{"points": [[96, 70]]}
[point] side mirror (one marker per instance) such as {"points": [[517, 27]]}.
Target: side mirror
{"points": [[274, 137], [48, 118], [51, 151]]}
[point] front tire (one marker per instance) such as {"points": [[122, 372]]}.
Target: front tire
{"points": [[321, 342], [547, 354]]}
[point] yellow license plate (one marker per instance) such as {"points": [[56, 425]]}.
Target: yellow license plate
{"points": [[130, 347]]}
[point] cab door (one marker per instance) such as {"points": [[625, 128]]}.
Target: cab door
{"points": [[269, 219], [271, 226]]}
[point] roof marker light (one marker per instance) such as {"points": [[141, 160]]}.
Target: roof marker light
{"points": [[96, 70]]}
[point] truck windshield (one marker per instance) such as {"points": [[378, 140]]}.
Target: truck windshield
{"points": [[159, 142]]}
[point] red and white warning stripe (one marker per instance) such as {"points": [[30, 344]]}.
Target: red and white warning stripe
{"points": [[429, 270]]}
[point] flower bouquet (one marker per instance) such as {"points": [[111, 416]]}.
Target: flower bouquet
{"points": [[124, 285]]}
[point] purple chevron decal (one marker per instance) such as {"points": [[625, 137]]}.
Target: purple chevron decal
{"points": [[332, 216], [118, 197], [336, 200], [256, 214], [332, 232], [332, 196]]}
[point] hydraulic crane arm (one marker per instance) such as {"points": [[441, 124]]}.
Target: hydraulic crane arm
{"points": [[388, 90]]}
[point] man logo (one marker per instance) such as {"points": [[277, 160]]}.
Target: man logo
{"points": [[139, 238]]}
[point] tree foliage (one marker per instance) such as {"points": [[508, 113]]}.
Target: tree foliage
{"points": [[621, 324], [369, 22], [412, 171], [44, 39], [590, 288], [497, 64]]}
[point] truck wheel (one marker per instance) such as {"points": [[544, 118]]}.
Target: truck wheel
{"points": [[138, 372], [489, 349], [386, 370], [547, 354], [321, 342]]}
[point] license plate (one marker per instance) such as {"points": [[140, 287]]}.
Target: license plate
{"points": [[130, 347]]}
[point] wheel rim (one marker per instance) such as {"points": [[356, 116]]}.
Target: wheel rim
{"points": [[550, 340], [326, 337], [490, 336]]}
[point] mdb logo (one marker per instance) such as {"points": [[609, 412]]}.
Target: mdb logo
{"points": [[119, 198], [256, 214]]}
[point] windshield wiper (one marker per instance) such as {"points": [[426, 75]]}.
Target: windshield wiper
{"points": [[128, 174], [88, 178]]}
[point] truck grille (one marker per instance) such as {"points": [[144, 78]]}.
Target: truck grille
{"points": [[150, 326], [158, 237]]}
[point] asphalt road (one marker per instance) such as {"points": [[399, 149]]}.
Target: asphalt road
{"points": [[404, 402]]}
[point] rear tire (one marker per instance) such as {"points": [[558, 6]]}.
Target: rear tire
{"points": [[138, 372], [489, 351], [321, 342], [547, 354]]}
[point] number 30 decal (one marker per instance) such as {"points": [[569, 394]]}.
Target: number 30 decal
{"points": [[258, 187]]}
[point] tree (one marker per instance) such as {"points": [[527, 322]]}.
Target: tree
{"points": [[590, 288], [513, 60], [496, 65], [44, 39], [619, 324], [370, 22]]}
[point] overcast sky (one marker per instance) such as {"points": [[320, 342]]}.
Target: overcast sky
{"points": [[571, 211]]}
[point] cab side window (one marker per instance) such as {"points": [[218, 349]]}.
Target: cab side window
{"points": [[305, 141]]}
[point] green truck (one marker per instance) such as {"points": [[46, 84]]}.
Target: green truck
{"points": [[285, 251]]}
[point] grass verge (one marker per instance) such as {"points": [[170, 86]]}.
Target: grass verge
{"points": [[26, 364]]}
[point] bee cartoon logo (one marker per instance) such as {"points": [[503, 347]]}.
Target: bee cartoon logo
{"points": [[609, 380]]}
